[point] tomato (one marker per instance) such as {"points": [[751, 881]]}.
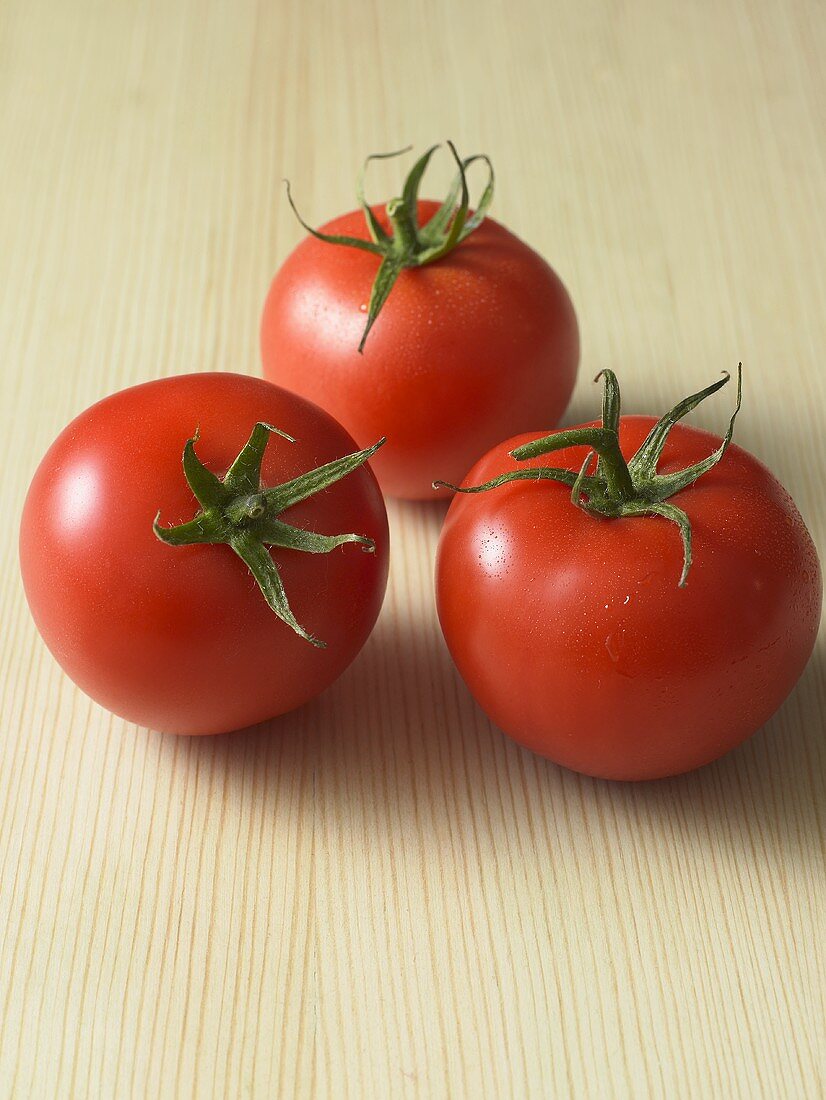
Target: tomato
{"points": [[463, 351], [572, 630], [180, 638]]}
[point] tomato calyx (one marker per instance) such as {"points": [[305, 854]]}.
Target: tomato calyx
{"points": [[619, 488], [410, 244], [238, 511]]}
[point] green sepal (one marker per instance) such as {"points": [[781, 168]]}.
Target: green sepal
{"points": [[540, 473], [409, 244], [277, 533], [389, 270], [619, 488], [410, 191], [237, 511], [669, 484], [605, 441], [244, 475], [676, 515], [259, 561], [204, 528], [644, 462], [376, 229], [334, 238], [282, 497], [208, 489], [433, 231]]}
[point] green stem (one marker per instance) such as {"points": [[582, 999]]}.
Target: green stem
{"points": [[604, 441], [621, 488], [409, 244], [239, 512], [244, 509], [404, 227]]}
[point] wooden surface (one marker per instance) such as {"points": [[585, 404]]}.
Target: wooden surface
{"points": [[381, 896]]}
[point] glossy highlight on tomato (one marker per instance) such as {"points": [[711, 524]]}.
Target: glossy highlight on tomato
{"points": [[463, 353], [180, 638], [573, 634]]}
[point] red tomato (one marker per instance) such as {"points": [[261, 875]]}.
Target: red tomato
{"points": [[462, 354], [180, 638], [571, 631]]}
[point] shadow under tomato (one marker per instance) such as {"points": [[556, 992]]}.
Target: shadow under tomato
{"points": [[397, 752], [767, 794], [364, 709], [398, 748]]}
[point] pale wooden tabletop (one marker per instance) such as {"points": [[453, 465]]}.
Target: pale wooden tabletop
{"points": [[380, 895]]}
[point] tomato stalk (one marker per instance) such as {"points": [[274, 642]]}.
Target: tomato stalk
{"points": [[619, 488], [238, 511], [409, 244]]}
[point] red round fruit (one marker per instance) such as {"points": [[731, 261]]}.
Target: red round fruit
{"points": [[180, 638], [463, 352], [574, 636]]}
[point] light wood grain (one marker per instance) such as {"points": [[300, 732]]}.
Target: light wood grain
{"points": [[380, 895]]}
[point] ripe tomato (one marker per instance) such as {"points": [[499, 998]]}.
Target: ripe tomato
{"points": [[573, 634], [180, 638], [463, 352]]}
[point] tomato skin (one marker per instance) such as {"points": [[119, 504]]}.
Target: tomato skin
{"points": [[574, 637], [462, 354], [180, 639]]}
